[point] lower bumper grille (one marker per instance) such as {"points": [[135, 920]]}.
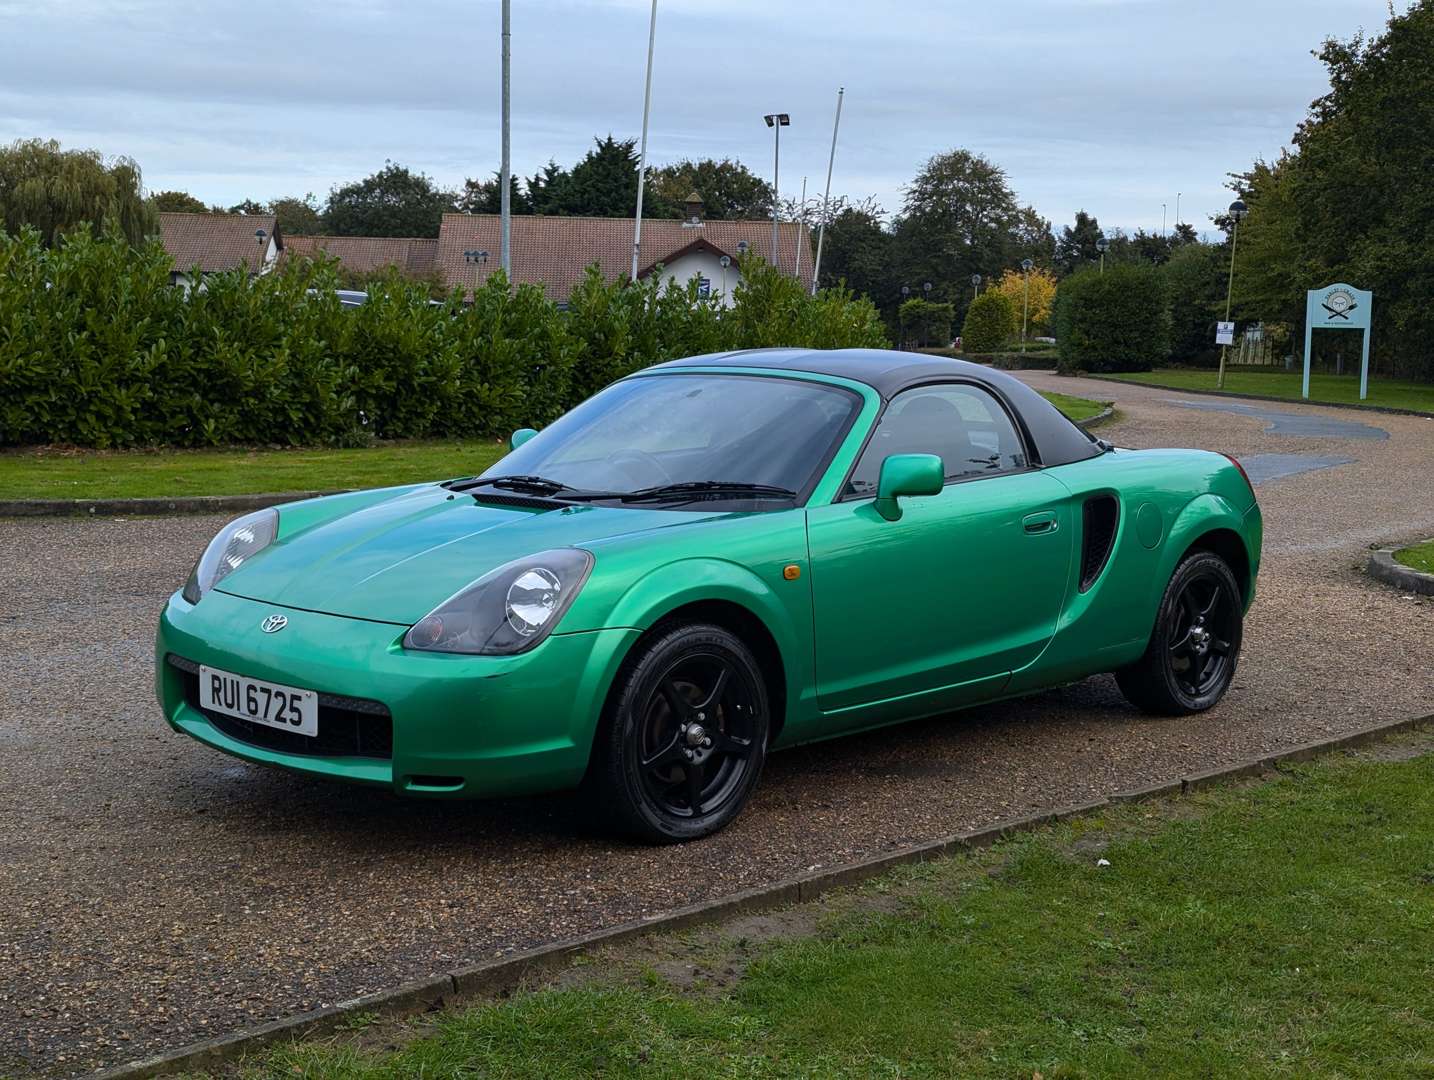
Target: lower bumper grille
{"points": [[348, 727]]}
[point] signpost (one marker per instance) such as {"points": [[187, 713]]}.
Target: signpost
{"points": [[1225, 333], [1339, 307]]}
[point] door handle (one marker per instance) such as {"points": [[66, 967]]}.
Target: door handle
{"points": [[1043, 522]]}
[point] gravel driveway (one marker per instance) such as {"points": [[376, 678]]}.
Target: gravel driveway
{"points": [[153, 891]]}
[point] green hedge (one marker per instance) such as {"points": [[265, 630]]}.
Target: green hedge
{"points": [[1116, 320], [990, 323], [97, 348]]}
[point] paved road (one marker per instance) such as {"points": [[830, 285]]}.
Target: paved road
{"points": [[153, 891]]}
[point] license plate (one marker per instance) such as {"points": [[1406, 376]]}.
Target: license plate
{"points": [[259, 702]]}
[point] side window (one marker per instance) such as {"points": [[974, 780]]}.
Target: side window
{"points": [[963, 425]]}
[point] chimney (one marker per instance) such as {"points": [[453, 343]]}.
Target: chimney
{"points": [[693, 203]]}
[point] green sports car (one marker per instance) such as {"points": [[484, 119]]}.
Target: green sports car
{"points": [[707, 560]]}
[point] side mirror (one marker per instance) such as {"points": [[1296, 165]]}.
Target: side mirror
{"points": [[907, 475], [519, 437]]}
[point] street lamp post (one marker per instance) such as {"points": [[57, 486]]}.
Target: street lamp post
{"points": [[975, 285], [1238, 212], [776, 121], [1102, 245], [1026, 265], [725, 261]]}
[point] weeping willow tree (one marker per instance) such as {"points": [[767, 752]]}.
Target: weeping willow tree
{"points": [[53, 190]]}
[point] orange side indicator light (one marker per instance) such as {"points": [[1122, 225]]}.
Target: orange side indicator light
{"points": [[791, 571]]}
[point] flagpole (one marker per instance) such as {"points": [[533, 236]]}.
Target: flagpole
{"points": [[801, 220], [826, 197], [505, 198], [642, 155]]}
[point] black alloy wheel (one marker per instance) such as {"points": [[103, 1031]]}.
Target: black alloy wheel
{"points": [[1195, 647], [686, 738], [1203, 623]]}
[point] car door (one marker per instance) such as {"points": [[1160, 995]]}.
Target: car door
{"points": [[937, 607]]}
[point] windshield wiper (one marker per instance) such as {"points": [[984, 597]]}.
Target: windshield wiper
{"points": [[532, 485], [697, 488]]}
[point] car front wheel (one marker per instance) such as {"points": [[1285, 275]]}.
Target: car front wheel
{"points": [[1195, 646], [686, 736]]}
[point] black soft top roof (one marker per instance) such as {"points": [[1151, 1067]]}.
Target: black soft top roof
{"points": [[1055, 439]]}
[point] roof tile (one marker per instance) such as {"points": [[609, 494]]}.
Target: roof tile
{"points": [[216, 241], [556, 251]]}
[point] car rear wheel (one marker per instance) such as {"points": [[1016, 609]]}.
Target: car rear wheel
{"points": [[686, 736], [1195, 646]]}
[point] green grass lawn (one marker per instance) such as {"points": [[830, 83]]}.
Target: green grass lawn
{"points": [[1283, 928], [1077, 408], [95, 474], [1418, 557], [1336, 389]]}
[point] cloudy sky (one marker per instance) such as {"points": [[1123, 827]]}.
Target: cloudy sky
{"points": [[1109, 105]]}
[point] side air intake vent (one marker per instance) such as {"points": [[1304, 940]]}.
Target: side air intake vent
{"points": [[1102, 514]]}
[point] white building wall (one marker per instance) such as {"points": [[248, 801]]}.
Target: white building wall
{"points": [[702, 264]]}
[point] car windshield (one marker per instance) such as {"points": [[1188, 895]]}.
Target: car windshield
{"points": [[706, 436]]}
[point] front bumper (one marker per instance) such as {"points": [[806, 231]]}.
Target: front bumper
{"points": [[460, 725]]}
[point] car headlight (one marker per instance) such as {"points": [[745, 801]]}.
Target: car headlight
{"points": [[241, 539], [506, 611]]}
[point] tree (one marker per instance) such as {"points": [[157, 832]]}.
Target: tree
{"points": [[960, 217], [1194, 281], [177, 202], [1033, 238], [1111, 321], [857, 252], [1042, 295], [729, 190], [391, 202], [547, 189], [52, 191], [1355, 200], [1076, 246], [296, 216], [604, 182], [486, 196], [249, 208], [991, 321]]}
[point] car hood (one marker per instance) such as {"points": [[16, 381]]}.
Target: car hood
{"points": [[397, 559]]}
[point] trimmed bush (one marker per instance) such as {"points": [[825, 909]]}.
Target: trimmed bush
{"points": [[97, 348], [1112, 321], [926, 321], [991, 321]]}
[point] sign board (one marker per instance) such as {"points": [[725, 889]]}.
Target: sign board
{"points": [[704, 287], [1225, 333], [1339, 307]]}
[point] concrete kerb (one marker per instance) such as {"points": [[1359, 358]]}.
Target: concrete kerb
{"points": [[1099, 418], [503, 976], [1384, 567], [1390, 409], [189, 504]]}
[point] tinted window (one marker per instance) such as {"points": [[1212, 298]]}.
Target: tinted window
{"points": [[670, 429], [963, 425]]}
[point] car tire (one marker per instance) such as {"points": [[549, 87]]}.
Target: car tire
{"points": [[684, 739], [1195, 646]]}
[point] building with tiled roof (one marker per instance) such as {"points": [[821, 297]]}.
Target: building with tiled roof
{"points": [[213, 242], [556, 251], [365, 254]]}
